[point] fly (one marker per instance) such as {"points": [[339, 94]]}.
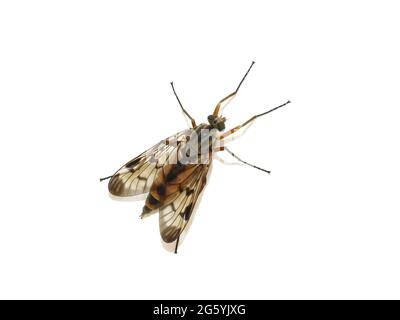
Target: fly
{"points": [[173, 173]]}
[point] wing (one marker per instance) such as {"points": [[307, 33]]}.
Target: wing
{"points": [[137, 176], [175, 215]]}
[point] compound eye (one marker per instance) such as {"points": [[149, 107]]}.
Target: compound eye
{"points": [[221, 126], [211, 119]]}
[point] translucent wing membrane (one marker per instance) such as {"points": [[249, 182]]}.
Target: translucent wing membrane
{"points": [[172, 186], [175, 215], [137, 176]]}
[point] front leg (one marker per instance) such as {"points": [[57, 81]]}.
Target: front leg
{"points": [[218, 107], [233, 130], [183, 109]]}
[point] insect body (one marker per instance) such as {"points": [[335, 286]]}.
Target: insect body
{"points": [[173, 172]]}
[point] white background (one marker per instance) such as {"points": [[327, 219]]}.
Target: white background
{"points": [[84, 87]]}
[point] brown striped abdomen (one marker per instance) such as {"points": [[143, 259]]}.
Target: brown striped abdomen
{"points": [[167, 185]]}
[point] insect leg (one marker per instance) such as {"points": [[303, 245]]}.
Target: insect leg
{"points": [[242, 161], [218, 107], [233, 130], [183, 109], [176, 245], [102, 179]]}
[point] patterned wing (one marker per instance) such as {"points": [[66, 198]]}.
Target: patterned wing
{"points": [[137, 176], [175, 215]]}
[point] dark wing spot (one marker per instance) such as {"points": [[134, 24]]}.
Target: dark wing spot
{"points": [[133, 162], [161, 189], [170, 234], [171, 175], [176, 169], [187, 213]]}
